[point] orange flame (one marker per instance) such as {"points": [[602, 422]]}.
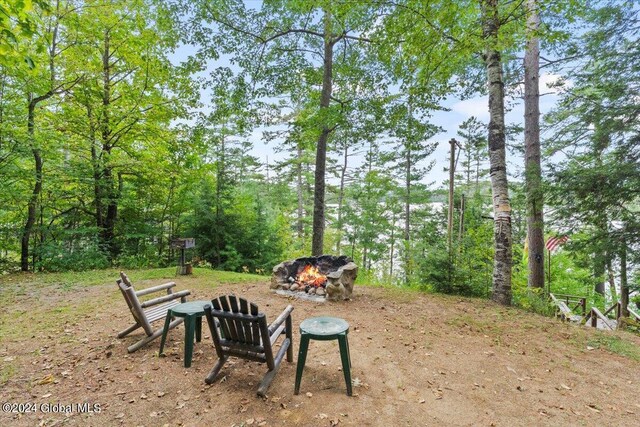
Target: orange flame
{"points": [[311, 276]]}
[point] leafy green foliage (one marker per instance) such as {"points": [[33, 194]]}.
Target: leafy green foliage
{"points": [[134, 157], [237, 234]]}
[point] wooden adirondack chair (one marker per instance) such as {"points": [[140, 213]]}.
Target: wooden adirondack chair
{"points": [[146, 312], [245, 334]]}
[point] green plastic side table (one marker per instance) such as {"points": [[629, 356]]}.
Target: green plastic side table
{"points": [[324, 329], [192, 313]]}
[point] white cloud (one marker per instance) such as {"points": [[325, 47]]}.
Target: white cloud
{"points": [[548, 80], [478, 107]]}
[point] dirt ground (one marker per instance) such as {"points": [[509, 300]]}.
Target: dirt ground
{"points": [[418, 359]]}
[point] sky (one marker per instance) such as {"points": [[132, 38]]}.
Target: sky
{"points": [[459, 111], [450, 121]]}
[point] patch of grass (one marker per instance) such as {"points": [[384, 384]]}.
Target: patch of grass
{"points": [[73, 279], [224, 277], [615, 344], [7, 371], [474, 324], [58, 308], [400, 295], [23, 324]]}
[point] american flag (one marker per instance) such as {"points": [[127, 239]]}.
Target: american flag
{"points": [[553, 242]]}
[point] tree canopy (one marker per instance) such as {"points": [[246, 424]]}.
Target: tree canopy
{"points": [[276, 129]]}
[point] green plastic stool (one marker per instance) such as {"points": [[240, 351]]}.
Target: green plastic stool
{"points": [[324, 329], [192, 313]]}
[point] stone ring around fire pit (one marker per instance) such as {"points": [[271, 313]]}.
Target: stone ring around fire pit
{"points": [[320, 278]]}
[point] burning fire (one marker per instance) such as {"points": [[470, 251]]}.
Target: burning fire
{"points": [[310, 276]]}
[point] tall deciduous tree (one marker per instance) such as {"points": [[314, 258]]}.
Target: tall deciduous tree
{"points": [[533, 172], [44, 85], [491, 24], [129, 92], [282, 40]]}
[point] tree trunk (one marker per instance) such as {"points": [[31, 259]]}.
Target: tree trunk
{"points": [[3, 82], [364, 258], [533, 173], [599, 273], [299, 219], [408, 262], [452, 157], [97, 169], [343, 175], [497, 156], [612, 282], [321, 150], [107, 181], [461, 229], [392, 244], [37, 187], [624, 285]]}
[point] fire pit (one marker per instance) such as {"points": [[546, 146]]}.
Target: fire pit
{"points": [[316, 278]]}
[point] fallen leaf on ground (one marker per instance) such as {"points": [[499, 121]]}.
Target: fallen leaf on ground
{"points": [[47, 380]]}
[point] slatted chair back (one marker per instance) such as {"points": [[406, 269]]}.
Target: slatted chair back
{"points": [[125, 279], [243, 332], [134, 306], [243, 328], [125, 295], [150, 310]]}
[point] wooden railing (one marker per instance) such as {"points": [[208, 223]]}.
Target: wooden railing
{"points": [[566, 304], [562, 309], [574, 302], [617, 308], [595, 314]]}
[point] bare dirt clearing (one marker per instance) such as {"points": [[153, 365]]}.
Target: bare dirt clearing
{"points": [[418, 359]]}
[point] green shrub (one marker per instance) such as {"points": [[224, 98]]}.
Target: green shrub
{"points": [[138, 261], [57, 256]]}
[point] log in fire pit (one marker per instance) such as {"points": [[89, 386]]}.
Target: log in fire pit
{"points": [[318, 278]]}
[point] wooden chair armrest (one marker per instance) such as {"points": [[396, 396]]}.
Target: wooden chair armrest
{"points": [[165, 298], [283, 316], [153, 289]]}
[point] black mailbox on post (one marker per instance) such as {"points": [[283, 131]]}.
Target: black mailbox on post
{"points": [[182, 244]]}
